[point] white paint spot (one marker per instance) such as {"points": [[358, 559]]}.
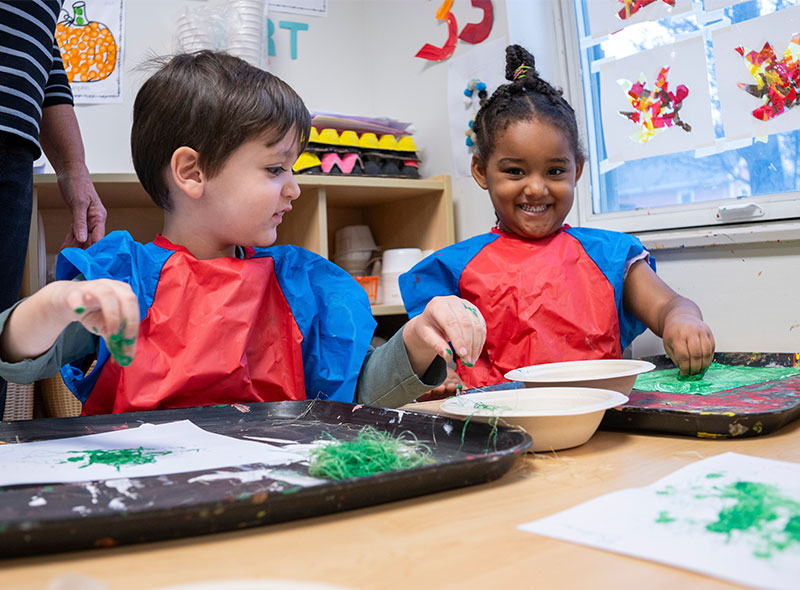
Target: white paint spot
{"points": [[124, 485], [448, 427], [37, 501], [117, 504], [93, 490], [258, 475], [82, 510]]}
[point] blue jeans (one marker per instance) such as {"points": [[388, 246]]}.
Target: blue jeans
{"points": [[16, 202]]}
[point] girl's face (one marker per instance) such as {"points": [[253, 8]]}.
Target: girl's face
{"points": [[531, 177]]}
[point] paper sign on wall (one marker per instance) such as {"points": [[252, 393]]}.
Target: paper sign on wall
{"points": [[308, 7], [89, 34], [731, 516], [656, 102], [757, 63], [608, 16]]}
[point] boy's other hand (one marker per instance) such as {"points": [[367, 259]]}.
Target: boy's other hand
{"points": [[689, 343], [451, 386], [107, 308], [446, 320]]}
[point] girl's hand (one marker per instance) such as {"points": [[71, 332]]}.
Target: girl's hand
{"points": [[689, 342], [107, 308], [446, 320]]}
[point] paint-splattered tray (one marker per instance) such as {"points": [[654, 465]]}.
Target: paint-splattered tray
{"points": [[749, 410], [62, 517]]}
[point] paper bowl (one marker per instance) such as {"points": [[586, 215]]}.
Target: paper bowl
{"points": [[555, 417], [616, 374]]}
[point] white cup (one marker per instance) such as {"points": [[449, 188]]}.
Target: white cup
{"points": [[399, 260], [389, 289]]}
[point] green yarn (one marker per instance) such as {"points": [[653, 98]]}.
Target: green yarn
{"points": [[370, 453]]}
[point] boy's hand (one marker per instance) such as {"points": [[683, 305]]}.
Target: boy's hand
{"points": [[445, 321], [105, 307], [451, 386], [689, 343]]}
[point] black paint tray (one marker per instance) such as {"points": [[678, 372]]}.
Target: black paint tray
{"points": [[73, 516]]}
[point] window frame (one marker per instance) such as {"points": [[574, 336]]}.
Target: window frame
{"points": [[779, 209]]}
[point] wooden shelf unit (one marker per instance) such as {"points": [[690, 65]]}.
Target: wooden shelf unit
{"points": [[401, 212]]}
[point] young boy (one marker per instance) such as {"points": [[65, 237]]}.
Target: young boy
{"points": [[194, 319]]}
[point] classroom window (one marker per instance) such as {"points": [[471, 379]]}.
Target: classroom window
{"points": [[727, 179]]}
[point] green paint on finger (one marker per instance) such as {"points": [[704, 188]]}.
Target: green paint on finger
{"points": [[116, 346], [471, 309], [467, 363], [79, 309]]}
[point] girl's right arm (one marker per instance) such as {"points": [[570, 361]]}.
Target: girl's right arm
{"points": [[105, 307]]}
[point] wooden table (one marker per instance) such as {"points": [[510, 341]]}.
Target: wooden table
{"points": [[466, 538]]}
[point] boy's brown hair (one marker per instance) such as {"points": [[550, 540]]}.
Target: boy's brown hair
{"points": [[213, 103]]}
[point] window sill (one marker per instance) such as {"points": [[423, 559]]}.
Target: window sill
{"points": [[721, 236]]}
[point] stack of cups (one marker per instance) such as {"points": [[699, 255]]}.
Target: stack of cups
{"points": [[354, 248], [246, 30], [191, 34], [395, 262]]}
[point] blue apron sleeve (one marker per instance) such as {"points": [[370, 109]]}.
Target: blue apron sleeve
{"points": [[117, 256], [439, 274], [611, 252], [334, 316]]}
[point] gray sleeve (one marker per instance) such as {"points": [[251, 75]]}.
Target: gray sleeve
{"points": [[73, 344], [387, 379]]}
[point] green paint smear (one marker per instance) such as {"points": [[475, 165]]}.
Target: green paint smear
{"points": [[116, 458], [664, 517], [116, 346], [717, 378], [370, 453], [759, 510]]}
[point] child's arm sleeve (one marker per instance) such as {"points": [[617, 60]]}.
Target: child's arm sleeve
{"points": [[74, 343], [387, 379]]}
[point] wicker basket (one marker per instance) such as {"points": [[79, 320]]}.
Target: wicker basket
{"points": [[19, 402], [57, 399]]}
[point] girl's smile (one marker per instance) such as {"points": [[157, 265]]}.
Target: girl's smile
{"points": [[530, 176]]}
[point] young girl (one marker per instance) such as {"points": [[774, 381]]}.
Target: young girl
{"points": [[548, 292]]}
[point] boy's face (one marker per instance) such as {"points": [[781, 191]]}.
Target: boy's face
{"points": [[530, 176], [251, 193]]}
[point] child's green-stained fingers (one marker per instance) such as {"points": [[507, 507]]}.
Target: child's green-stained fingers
{"points": [[119, 346]]}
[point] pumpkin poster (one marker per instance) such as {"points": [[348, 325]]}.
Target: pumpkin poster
{"points": [[89, 34]]}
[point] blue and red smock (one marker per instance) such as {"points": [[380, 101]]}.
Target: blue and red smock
{"points": [[280, 324], [546, 300]]}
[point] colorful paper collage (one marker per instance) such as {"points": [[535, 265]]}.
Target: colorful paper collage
{"points": [[89, 35], [758, 74], [656, 102], [609, 16], [731, 516]]}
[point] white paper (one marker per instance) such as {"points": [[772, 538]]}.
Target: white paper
{"points": [[710, 5], [667, 521], [105, 17], [737, 105], [485, 62], [604, 14], [687, 65], [308, 7], [175, 447]]}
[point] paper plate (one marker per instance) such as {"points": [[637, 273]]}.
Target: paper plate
{"points": [[616, 374], [555, 417]]}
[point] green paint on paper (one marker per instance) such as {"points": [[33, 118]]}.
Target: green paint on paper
{"points": [[370, 453], [760, 511], [116, 457], [116, 346], [717, 378], [664, 517], [714, 475]]}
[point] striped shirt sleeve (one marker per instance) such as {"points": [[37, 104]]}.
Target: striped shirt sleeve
{"points": [[57, 90]]}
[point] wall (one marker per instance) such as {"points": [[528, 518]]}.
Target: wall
{"points": [[357, 60]]}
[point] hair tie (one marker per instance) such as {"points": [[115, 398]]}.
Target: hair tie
{"points": [[520, 71]]}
